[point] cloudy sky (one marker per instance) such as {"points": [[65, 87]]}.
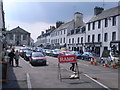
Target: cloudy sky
{"points": [[37, 16]]}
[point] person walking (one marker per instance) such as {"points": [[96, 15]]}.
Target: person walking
{"points": [[11, 55], [17, 58]]}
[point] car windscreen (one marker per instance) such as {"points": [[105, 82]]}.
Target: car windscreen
{"points": [[28, 52], [37, 55]]}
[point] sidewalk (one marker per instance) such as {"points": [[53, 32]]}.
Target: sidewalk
{"points": [[16, 78]]}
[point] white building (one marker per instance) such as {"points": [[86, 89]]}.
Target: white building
{"points": [[60, 36], [44, 39], [100, 33], [2, 27], [103, 30]]}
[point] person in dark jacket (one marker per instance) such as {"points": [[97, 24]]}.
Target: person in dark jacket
{"points": [[11, 55]]}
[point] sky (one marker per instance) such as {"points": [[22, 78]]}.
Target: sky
{"points": [[36, 16]]}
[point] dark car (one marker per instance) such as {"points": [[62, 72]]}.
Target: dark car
{"points": [[89, 55], [77, 54], [27, 55], [37, 58]]}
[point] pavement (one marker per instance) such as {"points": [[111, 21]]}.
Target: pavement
{"points": [[16, 78]]}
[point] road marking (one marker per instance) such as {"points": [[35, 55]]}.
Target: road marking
{"points": [[97, 82], [28, 82]]}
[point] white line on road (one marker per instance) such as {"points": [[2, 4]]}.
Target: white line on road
{"points": [[97, 82], [28, 82]]}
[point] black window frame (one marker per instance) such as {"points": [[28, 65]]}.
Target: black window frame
{"points": [[99, 24], [106, 22]]}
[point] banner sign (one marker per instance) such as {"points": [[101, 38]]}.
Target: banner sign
{"points": [[67, 59]]}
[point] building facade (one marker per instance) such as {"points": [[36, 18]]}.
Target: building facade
{"points": [[18, 36], [44, 39], [102, 30], [2, 29]]}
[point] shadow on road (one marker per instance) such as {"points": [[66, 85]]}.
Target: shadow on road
{"points": [[11, 80]]}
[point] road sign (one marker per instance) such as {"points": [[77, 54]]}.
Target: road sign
{"points": [[67, 59]]}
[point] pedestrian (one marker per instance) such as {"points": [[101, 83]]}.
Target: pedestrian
{"points": [[11, 55], [17, 58]]}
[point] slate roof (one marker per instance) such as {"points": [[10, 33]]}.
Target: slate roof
{"points": [[64, 26], [106, 13], [18, 30]]}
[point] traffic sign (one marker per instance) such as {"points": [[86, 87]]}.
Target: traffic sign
{"points": [[67, 59]]}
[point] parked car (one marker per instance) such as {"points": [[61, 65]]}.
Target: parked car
{"points": [[56, 53], [27, 55], [110, 56], [48, 52], [89, 55], [114, 56], [77, 54], [37, 58], [65, 53], [22, 51]]}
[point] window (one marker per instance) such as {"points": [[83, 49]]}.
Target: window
{"points": [[99, 23], [106, 22], [88, 38], [105, 37], [61, 40], [64, 40], [24, 37], [93, 38], [72, 31], [72, 40], [81, 39], [58, 40], [99, 36], [114, 21], [64, 31], [93, 26], [61, 32], [113, 36], [88, 26], [69, 41], [78, 40]]}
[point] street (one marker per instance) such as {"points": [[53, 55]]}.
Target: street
{"points": [[47, 76]]}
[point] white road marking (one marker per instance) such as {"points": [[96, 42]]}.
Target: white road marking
{"points": [[97, 82], [28, 82]]}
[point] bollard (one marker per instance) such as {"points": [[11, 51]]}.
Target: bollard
{"points": [[95, 61], [91, 61], [106, 63], [113, 64]]}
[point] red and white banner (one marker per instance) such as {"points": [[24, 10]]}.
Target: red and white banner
{"points": [[67, 59]]}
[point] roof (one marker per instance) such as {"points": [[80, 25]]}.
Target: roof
{"points": [[106, 13], [18, 30], [64, 26]]}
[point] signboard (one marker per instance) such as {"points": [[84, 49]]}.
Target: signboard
{"points": [[67, 59]]}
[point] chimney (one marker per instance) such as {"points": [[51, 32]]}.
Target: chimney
{"points": [[98, 10], [59, 23], [42, 32], [78, 17]]}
